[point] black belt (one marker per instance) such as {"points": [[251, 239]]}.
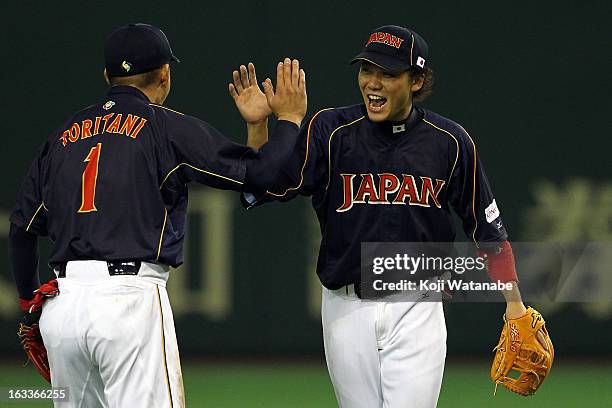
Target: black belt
{"points": [[114, 268]]}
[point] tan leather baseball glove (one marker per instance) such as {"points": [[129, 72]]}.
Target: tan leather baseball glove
{"points": [[524, 347]]}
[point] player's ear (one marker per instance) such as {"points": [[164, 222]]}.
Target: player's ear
{"points": [[417, 82], [106, 77], [164, 74]]}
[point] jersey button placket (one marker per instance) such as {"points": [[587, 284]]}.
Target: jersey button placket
{"points": [[394, 214]]}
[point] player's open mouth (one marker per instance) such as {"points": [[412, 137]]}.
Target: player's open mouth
{"points": [[376, 102]]}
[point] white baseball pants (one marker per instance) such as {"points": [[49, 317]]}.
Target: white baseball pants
{"points": [[383, 354], [111, 339]]}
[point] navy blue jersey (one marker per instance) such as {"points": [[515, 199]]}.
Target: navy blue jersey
{"points": [[111, 183], [385, 182]]}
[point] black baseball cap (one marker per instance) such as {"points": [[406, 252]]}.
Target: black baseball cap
{"points": [[394, 48], [136, 48]]}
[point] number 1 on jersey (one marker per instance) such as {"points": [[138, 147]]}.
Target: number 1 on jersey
{"points": [[90, 177]]}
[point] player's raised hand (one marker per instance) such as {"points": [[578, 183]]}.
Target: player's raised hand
{"points": [[250, 101], [288, 101]]}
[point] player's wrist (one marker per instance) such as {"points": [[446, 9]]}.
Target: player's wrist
{"points": [[512, 295], [297, 119], [515, 307], [514, 310], [258, 123]]}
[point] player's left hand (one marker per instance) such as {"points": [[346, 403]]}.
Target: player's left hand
{"points": [[29, 331], [250, 100], [524, 347], [32, 343]]}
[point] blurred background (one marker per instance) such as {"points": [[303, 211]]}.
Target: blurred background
{"points": [[528, 80]]}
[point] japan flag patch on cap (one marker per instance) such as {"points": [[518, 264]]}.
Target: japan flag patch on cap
{"points": [[420, 62]]}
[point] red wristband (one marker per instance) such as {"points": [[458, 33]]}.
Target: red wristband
{"points": [[500, 263], [44, 292]]}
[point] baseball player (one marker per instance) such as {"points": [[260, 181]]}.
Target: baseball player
{"points": [[387, 170], [109, 188]]}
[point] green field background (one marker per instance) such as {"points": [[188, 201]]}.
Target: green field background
{"points": [[305, 384]]}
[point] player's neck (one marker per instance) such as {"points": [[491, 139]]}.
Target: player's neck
{"points": [[149, 93], [152, 94], [405, 117]]}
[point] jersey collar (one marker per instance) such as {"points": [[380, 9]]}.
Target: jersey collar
{"points": [[130, 90], [396, 129]]}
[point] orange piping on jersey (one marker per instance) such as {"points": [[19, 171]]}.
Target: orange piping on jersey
{"points": [[305, 159], [195, 168], [456, 155], [329, 148], [161, 236], [168, 109], [42, 205], [163, 340]]}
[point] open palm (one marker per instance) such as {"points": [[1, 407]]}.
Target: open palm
{"points": [[248, 97]]}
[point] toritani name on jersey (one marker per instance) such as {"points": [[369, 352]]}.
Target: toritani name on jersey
{"points": [[111, 183]]}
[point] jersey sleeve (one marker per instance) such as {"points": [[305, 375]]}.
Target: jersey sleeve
{"points": [[30, 212], [303, 174], [199, 152], [471, 196]]}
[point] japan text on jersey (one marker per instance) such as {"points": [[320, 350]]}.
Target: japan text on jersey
{"points": [[385, 182]]}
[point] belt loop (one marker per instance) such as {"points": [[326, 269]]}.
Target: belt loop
{"points": [[60, 270], [358, 289]]}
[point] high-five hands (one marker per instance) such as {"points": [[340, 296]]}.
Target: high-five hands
{"points": [[250, 101], [288, 101]]}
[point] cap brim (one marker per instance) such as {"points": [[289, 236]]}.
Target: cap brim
{"points": [[174, 58], [383, 61]]}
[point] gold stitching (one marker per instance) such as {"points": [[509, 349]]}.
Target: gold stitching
{"points": [[329, 149], [305, 159], [161, 311], [456, 155], [168, 109], [161, 236], [34, 216], [198, 169]]}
